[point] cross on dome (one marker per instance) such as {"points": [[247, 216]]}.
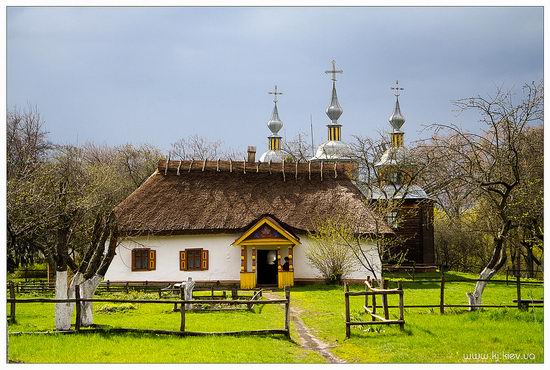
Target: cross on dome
{"points": [[275, 93], [334, 71], [396, 88]]}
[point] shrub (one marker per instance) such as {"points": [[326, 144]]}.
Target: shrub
{"points": [[116, 307]]}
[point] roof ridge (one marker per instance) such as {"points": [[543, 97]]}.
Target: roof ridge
{"points": [[328, 169]]}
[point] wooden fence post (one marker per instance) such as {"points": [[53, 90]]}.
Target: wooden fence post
{"points": [[182, 309], [234, 293], [385, 301], [373, 306], [346, 295], [507, 272], [442, 292], [78, 308], [401, 308], [127, 289], [287, 311], [108, 285], [518, 290], [12, 305], [366, 296]]}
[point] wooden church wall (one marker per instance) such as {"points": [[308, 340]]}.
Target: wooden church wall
{"points": [[416, 228]]}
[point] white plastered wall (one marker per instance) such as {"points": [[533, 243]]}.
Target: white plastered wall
{"points": [[224, 259], [304, 270]]}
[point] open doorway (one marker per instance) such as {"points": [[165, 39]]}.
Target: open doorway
{"points": [[266, 261]]}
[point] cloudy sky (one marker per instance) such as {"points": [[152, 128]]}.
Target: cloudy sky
{"points": [[154, 75]]}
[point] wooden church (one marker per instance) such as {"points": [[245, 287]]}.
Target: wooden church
{"points": [[250, 222]]}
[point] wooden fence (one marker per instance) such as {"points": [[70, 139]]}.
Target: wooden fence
{"points": [[513, 272], [442, 281], [370, 291], [12, 300], [516, 303], [162, 288]]}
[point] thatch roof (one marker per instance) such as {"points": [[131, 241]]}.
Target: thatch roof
{"points": [[221, 196]]}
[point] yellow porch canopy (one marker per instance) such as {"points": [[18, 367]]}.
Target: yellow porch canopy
{"points": [[266, 232]]}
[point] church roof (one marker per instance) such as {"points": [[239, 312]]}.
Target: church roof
{"points": [[333, 151], [183, 197]]}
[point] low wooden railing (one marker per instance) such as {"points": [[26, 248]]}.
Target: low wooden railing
{"points": [[370, 291], [181, 302]]}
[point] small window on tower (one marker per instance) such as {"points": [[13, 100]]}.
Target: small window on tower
{"points": [[391, 218], [396, 177]]}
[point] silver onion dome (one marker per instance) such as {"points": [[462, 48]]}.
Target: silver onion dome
{"points": [[397, 119], [275, 156], [275, 124], [393, 156], [333, 150], [334, 111]]}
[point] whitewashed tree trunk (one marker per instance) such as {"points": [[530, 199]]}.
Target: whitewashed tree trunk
{"points": [[474, 298], [62, 310], [87, 290]]}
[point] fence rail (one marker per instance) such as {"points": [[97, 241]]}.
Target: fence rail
{"points": [[371, 291], [161, 288], [520, 303], [78, 300]]}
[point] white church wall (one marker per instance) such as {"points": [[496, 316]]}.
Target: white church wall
{"points": [[224, 259]]}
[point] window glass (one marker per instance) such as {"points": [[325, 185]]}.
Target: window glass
{"points": [[141, 259], [193, 259]]}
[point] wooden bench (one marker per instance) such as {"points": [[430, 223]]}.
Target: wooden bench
{"points": [[524, 303]]}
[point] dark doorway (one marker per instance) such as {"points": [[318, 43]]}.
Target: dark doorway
{"points": [[267, 267]]}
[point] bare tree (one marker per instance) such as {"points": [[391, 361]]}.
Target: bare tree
{"points": [[201, 148], [329, 252], [389, 176], [461, 239], [386, 188], [27, 150], [298, 149], [488, 163], [60, 201]]}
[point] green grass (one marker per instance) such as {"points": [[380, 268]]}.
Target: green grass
{"points": [[428, 336], [126, 348]]}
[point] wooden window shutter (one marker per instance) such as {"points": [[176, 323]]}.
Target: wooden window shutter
{"points": [[133, 260], [204, 260], [183, 261], [152, 260]]}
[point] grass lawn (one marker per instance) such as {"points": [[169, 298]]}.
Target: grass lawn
{"points": [[428, 336], [127, 348]]}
